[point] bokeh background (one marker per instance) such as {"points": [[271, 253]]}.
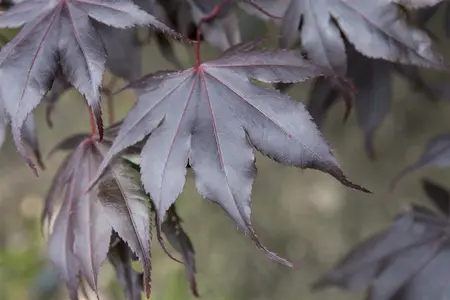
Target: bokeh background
{"points": [[306, 216]]}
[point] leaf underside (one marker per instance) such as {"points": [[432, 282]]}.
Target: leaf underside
{"points": [[59, 35], [387, 35], [408, 261], [213, 116], [80, 239]]}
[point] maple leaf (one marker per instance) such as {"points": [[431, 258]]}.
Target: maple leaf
{"points": [[408, 261], [417, 3], [212, 116], [269, 10], [223, 31], [436, 153], [80, 239], [372, 80], [121, 258], [377, 29], [59, 33], [180, 241], [438, 195], [425, 14], [178, 12], [59, 87], [28, 132], [173, 230]]}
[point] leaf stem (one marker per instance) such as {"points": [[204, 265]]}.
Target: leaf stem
{"points": [[92, 121], [262, 10], [213, 14], [107, 91]]}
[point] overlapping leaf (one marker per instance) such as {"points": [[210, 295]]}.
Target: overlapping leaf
{"points": [[372, 80], [223, 31], [212, 116], [271, 10], [121, 258], [80, 239], [28, 132], [180, 241], [407, 261], [59, 33], [436, 153], [177, 237], [377, 29]]}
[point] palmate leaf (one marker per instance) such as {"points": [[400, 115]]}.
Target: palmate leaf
{"points": [[372, 80], [269, 10], [174, 232], [212, 116], [181, 242], [438, 195], [59, 33], [408, 261], [417, 3], [120, 43], [377, 29], [28, 132], [223, 31], [436, 153], [121, 258], [80, 239]]}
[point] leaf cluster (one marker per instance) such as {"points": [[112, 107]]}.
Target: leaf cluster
{"points": [[209, 118]]}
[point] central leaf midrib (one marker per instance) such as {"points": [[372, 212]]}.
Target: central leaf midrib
{"points": [[222, 164]]}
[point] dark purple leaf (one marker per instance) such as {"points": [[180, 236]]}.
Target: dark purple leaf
{"points": [[28, 132], [417, 3], [324, 20], [124, 51], [436, 153], [400, 269], [223, 31], [321, 98], [58, 34], [59, 87], [213, 116], [180, 241], [438, 195], [265, 9], [86, 220], [416, 82], [120, 257], [166, 49], [387, 262], [325, 93], [69, 143], [432, 282], [372, 79], [447, 20]]}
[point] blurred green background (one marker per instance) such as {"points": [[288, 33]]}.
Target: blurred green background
{"points": [[306, 216]]}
